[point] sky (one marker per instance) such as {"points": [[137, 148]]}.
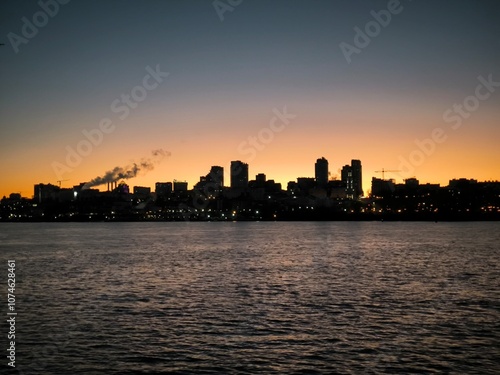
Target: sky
{"points": [[409, 86]]}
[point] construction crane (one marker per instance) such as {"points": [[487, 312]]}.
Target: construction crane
{"points": [[383, 171], [59, 181]]}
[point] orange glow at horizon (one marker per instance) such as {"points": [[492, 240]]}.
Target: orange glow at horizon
{"points": [[215, 92], [290, 154]]}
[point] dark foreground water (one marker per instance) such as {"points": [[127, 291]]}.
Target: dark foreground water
{"points": [[211, 298]]}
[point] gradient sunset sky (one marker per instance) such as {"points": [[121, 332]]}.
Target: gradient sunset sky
{"points": [[228, 77]]}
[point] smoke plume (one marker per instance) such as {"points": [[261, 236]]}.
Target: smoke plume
{"points": [[130, 171]]}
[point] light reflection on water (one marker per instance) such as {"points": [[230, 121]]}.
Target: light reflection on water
{"points": [[130, 298]]}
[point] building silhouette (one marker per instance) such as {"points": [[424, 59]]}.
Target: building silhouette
{"points": [[262, 199], [305, 184], [260, 180], [239, 175], [213, 183], [163, 188], [352, 177], [357, 178], [180, 186], [43, 192], [216, 178], [142, 192], [321, 172], [381, 188]]}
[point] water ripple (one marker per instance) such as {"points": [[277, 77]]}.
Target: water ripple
{"points": [[298, 298]]}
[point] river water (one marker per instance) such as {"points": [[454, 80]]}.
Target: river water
{"points": [[254, 297]]}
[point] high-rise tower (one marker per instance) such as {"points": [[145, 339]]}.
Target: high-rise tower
{"points": [[321, 172], [239, 175], [357, 178], [353, 178]]}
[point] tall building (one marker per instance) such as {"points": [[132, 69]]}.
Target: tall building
{"points": [[321, 172], [346, 176], [216, 177], [352, 177], [239, 175], [357, 178]]}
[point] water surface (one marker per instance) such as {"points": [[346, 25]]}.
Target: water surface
{"points": [[354, 297]]}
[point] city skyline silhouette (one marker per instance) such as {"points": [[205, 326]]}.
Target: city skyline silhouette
{"points": [[87, 87]]}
